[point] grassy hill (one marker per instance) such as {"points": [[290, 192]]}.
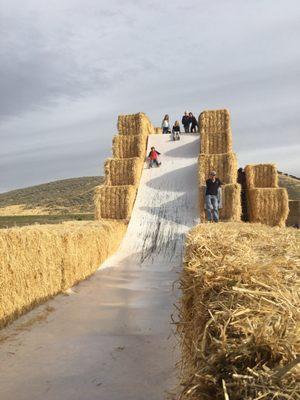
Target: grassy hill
{"points": [[72, 199], [51, 202]]}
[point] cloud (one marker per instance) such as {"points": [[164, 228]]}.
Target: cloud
{"points": [[67, 70]]}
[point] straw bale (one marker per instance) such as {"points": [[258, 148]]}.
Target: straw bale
{"points": [[39, 261], [230, 205], [157, 130], [212, 121], [216, 142], [224, 164], [261, 176], [114, 202], [129, 146], [239, 329], [123, 171], [134, 124], [294, 213], [268, 206]]}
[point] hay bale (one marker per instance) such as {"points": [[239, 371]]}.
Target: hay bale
{"points": [[268, 206], [134, 124], [239, 313], [114, 202], [224, 164], [216, 142], [129, 146], [39, 261], [294, 213], [230, 205], [157, 130], [212, 121], [123, 171], [261, 176]]}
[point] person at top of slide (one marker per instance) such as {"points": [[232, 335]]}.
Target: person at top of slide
{"points": [[193, 122], [186, 122], [153, 157], [176, 131], [166, 124]]}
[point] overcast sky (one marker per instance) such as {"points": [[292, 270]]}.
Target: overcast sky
{"points": [[69, 67]]}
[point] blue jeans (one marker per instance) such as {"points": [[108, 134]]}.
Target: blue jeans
{"points": [[212, 205], [152, 162], [165, 129]]}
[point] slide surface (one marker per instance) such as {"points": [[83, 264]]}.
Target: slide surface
{"points": [[111, 339]]}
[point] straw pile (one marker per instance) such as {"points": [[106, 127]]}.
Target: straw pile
{"points": [[134, 124], [123, 171], [39, 261], [157, 130], [215, 132], [114, 202], [261, 176], [129, 146], [294, 214], [268, 206], [224, 164], [230, 205], [239, 330]]}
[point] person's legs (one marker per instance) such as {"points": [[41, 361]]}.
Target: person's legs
{"points": [[208, 207], [165, 130], [156, 163], [151, 163], [215, 208], [186, 128]]}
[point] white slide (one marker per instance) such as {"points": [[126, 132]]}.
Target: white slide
{"points": [[112, 339]]}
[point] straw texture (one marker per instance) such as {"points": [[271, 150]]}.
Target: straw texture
{"points": [[239, 313], [129, 146], [114, 202], [215, 133], [211, 121], [123, 171], [39, 261], [134, 124], [231, 203], [261, 176], [157, 130], [269, 206], [224, 164]]}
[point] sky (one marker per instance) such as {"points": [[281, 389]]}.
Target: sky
{"points": [[68, 68]]}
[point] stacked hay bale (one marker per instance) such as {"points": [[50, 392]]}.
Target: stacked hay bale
{"points": [[267, 203], [216, 154], [239, 329], [115, 199]]}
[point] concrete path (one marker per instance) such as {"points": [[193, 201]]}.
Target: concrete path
{"points": [[111, 339]]}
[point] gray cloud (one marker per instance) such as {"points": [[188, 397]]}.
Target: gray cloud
{"points": [[67, 70]]}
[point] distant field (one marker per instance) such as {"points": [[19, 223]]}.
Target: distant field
{"points": [[23, 220], [292, 185]]}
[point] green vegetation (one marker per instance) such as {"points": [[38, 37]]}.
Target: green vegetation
{"points": [[23, 220]]}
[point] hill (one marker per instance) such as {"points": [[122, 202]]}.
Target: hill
{"points": [[52, 202], [291, 183]]}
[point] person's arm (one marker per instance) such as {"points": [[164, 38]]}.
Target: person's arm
{"points": [[158, 152], [149, 154]]}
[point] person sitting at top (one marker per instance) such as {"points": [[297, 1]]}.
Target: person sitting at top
{"points": [[193, 122], [153, 157], [166, 124], [213, 185], [176, 131], [186, 122]]}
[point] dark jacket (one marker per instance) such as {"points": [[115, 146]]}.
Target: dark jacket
{"points": [[213, 187], [185, 120], [193, 121], [176, 128]]}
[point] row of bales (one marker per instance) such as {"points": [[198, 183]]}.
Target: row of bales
{"points": [[37, 262], [266, 202], [239, 307], [115, 199]]}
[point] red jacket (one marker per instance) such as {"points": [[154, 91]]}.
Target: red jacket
{"points": [[153, 155]]}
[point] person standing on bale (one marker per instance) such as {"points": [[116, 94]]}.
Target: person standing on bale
{"points": [[193, 122], [153, 157], [186, 122], [176, 131], [166, 124], [213, 185]]}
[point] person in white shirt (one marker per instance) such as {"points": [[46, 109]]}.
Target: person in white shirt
{"points": [[166, 124]]}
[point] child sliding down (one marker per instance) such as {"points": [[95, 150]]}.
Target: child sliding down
{"points": [[153, 157]]}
